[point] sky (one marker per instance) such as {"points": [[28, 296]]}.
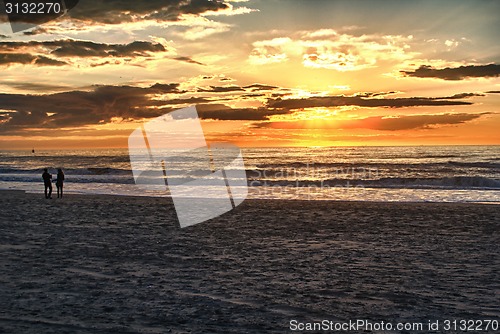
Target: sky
{"points": [[260, 72]]}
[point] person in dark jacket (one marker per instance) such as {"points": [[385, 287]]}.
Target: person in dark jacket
{"points": [[47, 180], [60, 182]]}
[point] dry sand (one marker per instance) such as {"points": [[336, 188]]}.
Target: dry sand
{"points": [[103, 264]]}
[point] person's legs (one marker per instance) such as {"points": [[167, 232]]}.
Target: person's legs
{"points": [[50, 191], [57, 191], [61, 190], [46, 188]]}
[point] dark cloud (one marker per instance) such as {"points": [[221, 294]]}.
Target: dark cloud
{"points": [[76, 48], [372, 94], [35, 86], [221, 89], [337, 101], [164, 88], [279, 95], [409, 122], [100, 104], [223, 112], [80, 108], [71, 48], [493, 92], [24, 58], [256, 87], [190, 101], [118, 11], [455, 73], [34, 32], [51, 52], [462, 96], [188, 60], [246, 96], [104, 63], [381, 123]]}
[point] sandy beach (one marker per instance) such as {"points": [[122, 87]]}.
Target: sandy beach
{"points": [[104, 264]]}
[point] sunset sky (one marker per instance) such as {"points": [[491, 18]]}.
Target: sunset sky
{"points": [[261, 72]]}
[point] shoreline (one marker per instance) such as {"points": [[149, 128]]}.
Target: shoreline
{"points": [[71, 194]]}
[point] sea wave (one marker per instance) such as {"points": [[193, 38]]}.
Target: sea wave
{"points": [[475, 164], [457, 182], [71, 171], [318, 165], [258, 178]]}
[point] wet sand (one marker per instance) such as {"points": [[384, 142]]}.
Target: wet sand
{"points": [[104, 264]]}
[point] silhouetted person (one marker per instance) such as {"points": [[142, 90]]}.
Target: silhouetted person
{"points": [[60, 182], [47, 180]]}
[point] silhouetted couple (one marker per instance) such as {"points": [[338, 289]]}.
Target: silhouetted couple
{"points": [[47, 180]]}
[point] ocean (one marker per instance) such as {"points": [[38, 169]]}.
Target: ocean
{"points": [[401, 174]]}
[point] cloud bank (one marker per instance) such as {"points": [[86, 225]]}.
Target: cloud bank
{"points": [[455, 73], [68, 51], [107, 104], [381, 123], [338, 101]]}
